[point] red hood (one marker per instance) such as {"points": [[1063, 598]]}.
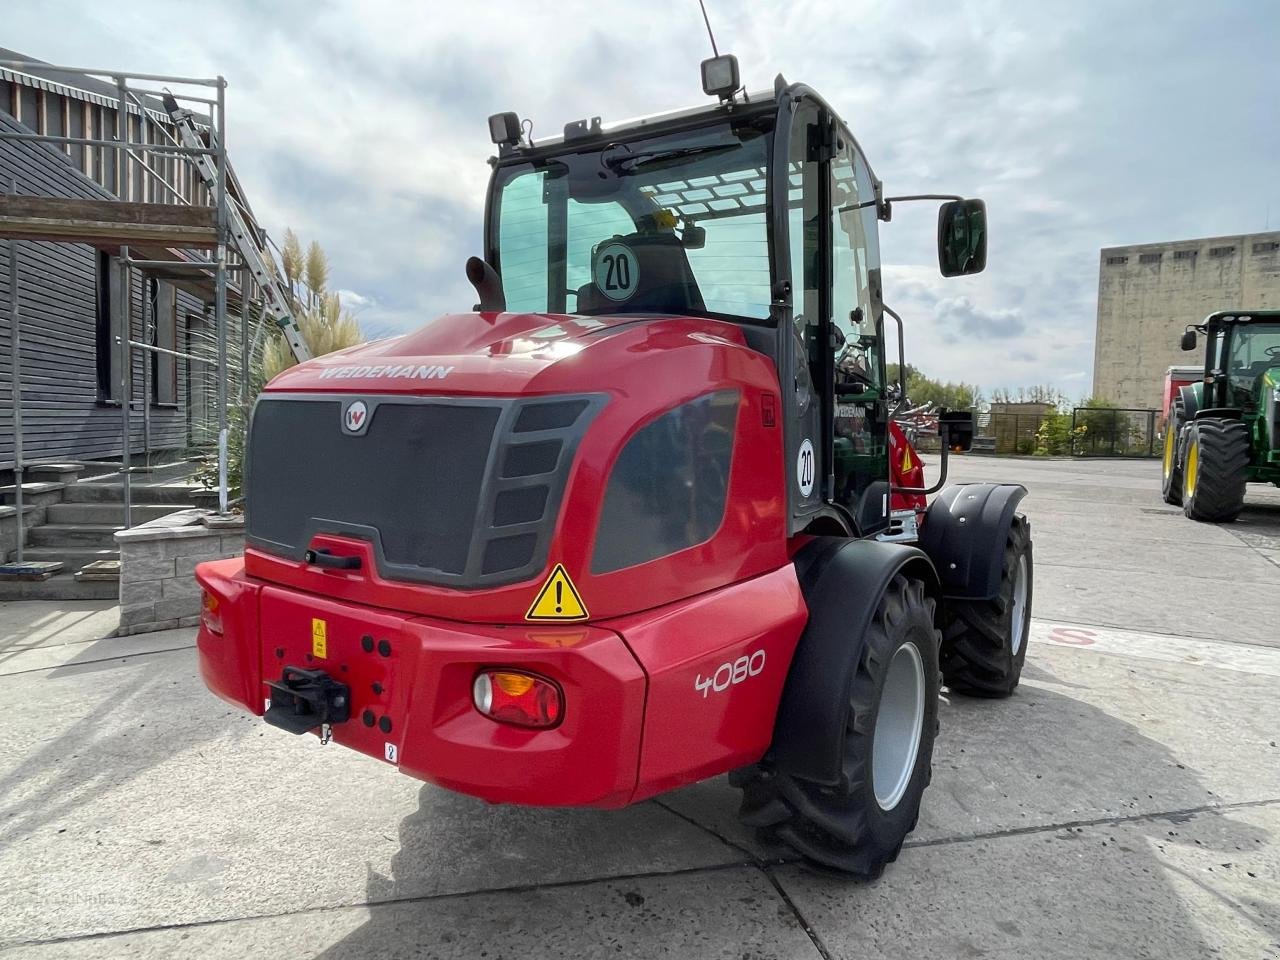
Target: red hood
{"points": [[497, 354]]}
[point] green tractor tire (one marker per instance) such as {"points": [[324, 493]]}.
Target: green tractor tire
{"points": [[1215, 469], [1171, 474]]}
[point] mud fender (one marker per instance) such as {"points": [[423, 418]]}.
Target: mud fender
{"points": [[964, 534], [842, 581]]}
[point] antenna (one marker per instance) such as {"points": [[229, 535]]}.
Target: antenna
{"points": [[707, 21], [719, 74]]}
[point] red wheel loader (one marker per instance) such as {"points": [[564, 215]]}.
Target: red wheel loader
{"points": [[642, 517]]}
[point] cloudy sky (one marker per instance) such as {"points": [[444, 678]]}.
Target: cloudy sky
{"points": [[361, 123]]}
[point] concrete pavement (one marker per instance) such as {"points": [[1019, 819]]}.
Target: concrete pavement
{"points": [[1126, 802]]}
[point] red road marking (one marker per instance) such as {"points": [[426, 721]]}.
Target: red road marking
{"points": [[1073, 636]]}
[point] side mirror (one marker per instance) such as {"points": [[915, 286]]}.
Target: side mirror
{"points": [[962, 237], [955, 427], [1188, 339], [693, 237]]}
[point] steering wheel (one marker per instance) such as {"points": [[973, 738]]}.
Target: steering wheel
{"points": [[1273, 352]]}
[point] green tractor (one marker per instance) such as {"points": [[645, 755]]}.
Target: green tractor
{"points": [[1224, 431]]}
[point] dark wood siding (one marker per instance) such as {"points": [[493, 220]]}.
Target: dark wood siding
{"points": [[62, 415]]}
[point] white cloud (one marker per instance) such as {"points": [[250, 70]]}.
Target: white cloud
{"points": [[354, 301], [361, 123]]}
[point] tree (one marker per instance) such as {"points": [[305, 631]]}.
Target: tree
{"points": [[1056, 436], [923, 389], [1104, 428], [1036, 393]]}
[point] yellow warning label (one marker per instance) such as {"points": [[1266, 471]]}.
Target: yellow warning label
{"points": [[558, 599], [319, 638]]}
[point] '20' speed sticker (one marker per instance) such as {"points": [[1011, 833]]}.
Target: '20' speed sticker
{"points": [[614, 271], [805, 468]]}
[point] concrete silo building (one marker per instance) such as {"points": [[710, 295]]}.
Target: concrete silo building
{"points": [[1147, 294]]}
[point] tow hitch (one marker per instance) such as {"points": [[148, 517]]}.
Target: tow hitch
{"points": [[302, 700]]}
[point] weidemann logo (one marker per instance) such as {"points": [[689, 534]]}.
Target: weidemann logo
{"points": [[408, 371]]}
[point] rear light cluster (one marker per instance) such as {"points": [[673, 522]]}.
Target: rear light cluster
{"points": [[518, 698], [210, 612]]}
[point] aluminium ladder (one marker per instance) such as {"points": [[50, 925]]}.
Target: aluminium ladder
{"points": [[257, 259]]}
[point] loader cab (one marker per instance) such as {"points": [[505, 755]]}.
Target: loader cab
{"points": [[761, 211]]}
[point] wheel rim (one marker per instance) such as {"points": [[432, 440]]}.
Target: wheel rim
{"points": [[1019, 623], [1192, 469], [1170, 444], [898, 726]]}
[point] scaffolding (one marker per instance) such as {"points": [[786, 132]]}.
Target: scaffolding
{"points": [[187, 242]]}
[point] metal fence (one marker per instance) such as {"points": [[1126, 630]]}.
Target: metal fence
{"points": [[1084, 432], [1115, 432], [1008, 434]]}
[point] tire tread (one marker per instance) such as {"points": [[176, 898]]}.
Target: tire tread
{"points": [[975, 658], [825, 825], [1171, 485], [1223, 469]]}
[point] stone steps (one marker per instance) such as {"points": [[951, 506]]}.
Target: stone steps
{"points": [[72, 512], [138, 494], [73, 535], [109, 513], [73, 557], [33, 494], [61, 586]]}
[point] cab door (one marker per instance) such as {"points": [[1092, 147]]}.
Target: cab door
{"points": [[802, 163], [837, 430], [860, 414]]}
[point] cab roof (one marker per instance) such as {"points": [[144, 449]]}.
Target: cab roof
{"points": [[589, 132]]}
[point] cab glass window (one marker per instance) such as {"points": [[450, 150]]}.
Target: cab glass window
{"points": [[860, 455], [804, 226], [523, 243], [668, 486], [668, 224], [1255, 348], [854, 254]]}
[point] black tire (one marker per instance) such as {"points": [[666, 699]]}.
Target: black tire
{"points": [[983, 648], [1171, 467], [1215, 470], [845, 828]]}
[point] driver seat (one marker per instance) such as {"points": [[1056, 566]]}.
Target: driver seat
{"points": [[664, 282]]}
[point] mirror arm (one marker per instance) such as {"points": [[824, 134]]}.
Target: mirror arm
{"points": [[942, 472], [902, 363], [923, 196], [914, 196], [902, 399]]}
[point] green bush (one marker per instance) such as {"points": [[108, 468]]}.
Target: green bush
{"points": [[207, 475], [1055, 437]]}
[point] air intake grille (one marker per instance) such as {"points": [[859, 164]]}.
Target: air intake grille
{"points": [[455, 492]]}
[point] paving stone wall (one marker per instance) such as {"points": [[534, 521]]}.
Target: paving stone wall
{"points": [[158, 589]]}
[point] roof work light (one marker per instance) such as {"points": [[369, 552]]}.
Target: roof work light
{"points": [[720, 76], [504, 129]]}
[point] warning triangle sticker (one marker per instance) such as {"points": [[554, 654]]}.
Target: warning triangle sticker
{"points": [[558, 599]]}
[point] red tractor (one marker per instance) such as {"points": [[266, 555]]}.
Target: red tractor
{"points": [[642, 517]]}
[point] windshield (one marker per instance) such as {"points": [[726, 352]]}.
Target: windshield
{"points": [[1253, 348], [670, 224]]}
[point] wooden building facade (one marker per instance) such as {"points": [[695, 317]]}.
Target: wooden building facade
{"points": [[69, 292]]}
